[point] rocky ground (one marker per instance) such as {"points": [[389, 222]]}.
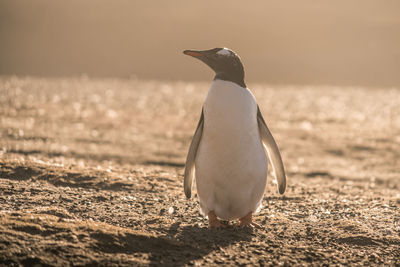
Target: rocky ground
{"points": [[91, 173]]}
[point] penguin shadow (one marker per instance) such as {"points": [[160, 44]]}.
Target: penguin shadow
{"points": [[180, 246], [196, 242]]}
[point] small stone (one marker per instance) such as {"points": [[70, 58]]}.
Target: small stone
{"points": [[171, 210]]}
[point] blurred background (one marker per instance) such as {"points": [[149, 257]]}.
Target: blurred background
{"points": [[354, 42]]}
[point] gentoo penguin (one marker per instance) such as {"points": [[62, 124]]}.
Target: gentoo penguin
{"points": [[227, 155]]}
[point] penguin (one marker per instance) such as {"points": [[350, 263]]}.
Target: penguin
{"points": [[227, 156]]}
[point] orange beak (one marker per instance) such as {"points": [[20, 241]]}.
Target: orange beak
{"points": [[193, 53]]}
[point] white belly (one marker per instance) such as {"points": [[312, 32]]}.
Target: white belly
{"points": [[230, 165]]}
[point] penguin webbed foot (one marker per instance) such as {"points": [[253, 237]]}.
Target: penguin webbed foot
{"points": [[247, 221], [214, 222]]}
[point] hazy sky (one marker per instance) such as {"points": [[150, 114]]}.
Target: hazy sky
{"points": [[296, 42]]}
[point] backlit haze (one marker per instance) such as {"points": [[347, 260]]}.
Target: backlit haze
{"points": [[280, 42]]}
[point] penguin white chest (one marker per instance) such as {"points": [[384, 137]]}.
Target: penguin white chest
{"points": [[230, 165]]}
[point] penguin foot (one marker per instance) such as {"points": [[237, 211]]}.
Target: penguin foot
{"points": [[247, 221], [213, 222]]}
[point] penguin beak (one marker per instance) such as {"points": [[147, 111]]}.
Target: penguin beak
{"points": [[194, 53], [206, 56]]}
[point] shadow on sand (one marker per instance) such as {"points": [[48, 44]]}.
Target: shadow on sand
{"points": [[178, 247]]}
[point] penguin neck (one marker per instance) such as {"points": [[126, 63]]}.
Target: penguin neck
{"points": [[226, 77]]}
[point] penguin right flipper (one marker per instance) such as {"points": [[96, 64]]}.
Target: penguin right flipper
{"points": [[273, 151], [191, 156]]}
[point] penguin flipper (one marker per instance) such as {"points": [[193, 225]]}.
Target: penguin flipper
{"points": [[191, 156], [272, 151]]}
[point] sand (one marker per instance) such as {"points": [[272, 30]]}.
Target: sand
{"points": [[91, 173]]}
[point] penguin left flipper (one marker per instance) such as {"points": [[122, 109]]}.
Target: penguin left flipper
{"points": [[191, 156], [272, 151]]}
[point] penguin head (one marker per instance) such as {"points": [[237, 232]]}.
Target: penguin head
{"points": [[223, 61]]}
